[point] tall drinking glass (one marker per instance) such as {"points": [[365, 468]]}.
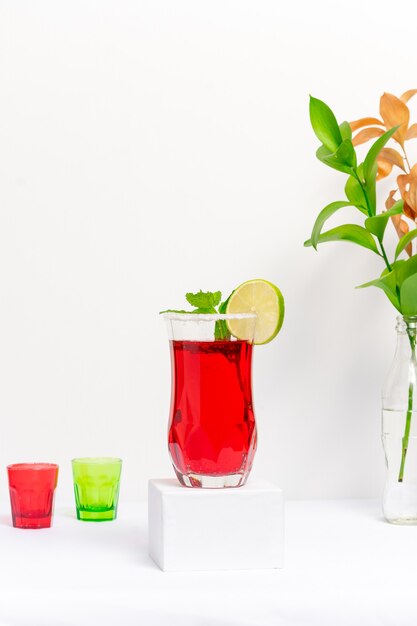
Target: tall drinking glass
{"points": [[212, 430]]}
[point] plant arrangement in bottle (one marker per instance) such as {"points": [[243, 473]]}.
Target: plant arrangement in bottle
{"points": [[398, 278]]}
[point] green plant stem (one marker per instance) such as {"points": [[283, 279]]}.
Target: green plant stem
{"points": [[384, 256], [406, 437], [383, 253], [389, 267], [356, 175]]}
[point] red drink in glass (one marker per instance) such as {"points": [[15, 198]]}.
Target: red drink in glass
{"points": [[212, 429], [32, 487]]}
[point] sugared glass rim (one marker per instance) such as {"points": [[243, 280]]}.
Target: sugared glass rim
{"points": [[207, 317]]}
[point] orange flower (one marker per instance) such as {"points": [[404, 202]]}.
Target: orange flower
{"points": [[394, 112]]}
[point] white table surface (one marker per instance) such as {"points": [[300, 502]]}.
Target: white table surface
{"points": [[344, 566]]}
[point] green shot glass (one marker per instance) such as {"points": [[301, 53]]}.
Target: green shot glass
{"points": [[96, 488]]}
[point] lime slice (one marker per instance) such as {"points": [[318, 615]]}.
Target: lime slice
{"points": [[260, 297]]}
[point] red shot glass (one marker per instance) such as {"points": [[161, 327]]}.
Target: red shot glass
{"points": [[32, 487]]}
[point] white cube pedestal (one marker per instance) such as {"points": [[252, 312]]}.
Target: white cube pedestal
{"points": [[215, 529]]}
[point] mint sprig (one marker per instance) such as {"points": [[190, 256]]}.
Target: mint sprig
{"points": [[207, 303], [204, 301]]}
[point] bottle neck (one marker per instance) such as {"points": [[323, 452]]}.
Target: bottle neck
{"points": [[407, 331]]}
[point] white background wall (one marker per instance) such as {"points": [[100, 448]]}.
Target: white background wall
{"points": [[149, 148]]}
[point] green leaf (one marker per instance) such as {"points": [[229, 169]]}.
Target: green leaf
{"points": [[325, 124], [344, 159], [378, 223], [223, 305], [408, 296], [327, 157], [346, 153], [359, 173], [370, 166], [322, 217], [204, 300], [348, 232], [354, 193], [221, 330], [396, 209], [386, 282], [404, 269], [404, 241], [205, 310], [345, 130]]}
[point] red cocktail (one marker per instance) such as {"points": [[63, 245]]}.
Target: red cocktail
{"points": [[32, 487], [212, 430]]}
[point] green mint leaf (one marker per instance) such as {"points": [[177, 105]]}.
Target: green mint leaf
{"points": [[204, 300]]}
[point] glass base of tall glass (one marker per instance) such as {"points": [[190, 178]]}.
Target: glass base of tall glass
{"points": [[212, 482], [212, 429]]}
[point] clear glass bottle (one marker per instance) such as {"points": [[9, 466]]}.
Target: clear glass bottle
{"points": [[399, 427]]}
